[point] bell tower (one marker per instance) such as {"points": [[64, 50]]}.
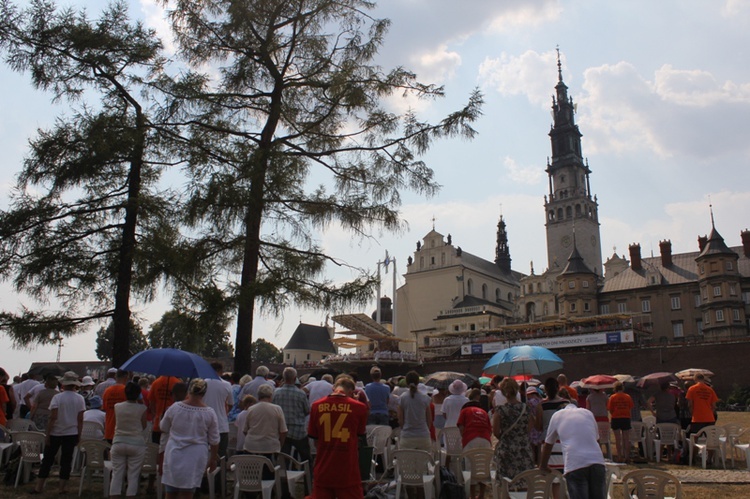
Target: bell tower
{"points": [[569, 206]]}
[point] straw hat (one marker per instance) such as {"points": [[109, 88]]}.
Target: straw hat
{"points": [[69, 378], [458, 387]]}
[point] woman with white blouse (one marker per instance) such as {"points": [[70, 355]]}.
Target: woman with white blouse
{"points": [[128, 445]]}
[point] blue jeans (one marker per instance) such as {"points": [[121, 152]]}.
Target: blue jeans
{"points": [[587, 483]]}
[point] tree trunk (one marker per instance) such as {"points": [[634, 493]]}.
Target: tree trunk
{"points": [[121, 317]]}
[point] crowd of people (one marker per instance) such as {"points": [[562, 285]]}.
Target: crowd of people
{"points": [[551, 426]]}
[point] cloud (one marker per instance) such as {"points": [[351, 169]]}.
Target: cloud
{"points": [[530, 175], [677, 113], [527, 75], [736, 9], [155, 17]]}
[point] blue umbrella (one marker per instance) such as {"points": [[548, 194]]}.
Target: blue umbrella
{"points": [[523, 359], [170, 362]]}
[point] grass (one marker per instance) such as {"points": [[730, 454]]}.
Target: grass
{"points": [[691, 490]]}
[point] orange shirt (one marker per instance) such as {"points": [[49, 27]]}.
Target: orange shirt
{"points": [[703, 398], [160, 396], [112, 395], [571, 391], [619, 405]]}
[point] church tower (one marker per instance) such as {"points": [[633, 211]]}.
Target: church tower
{"points": [[502, 251], [570, 208]]}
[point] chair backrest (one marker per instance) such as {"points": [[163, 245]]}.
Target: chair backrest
{"points": [[711, 434], [92, 431], [4, 434], [650, 483], [232, 442], [451, 438], [412, 465], [31, 443], [539, 484], [731, 429], [605, 432], [95, 453], [649, 421], [636, 431], [668, 432], [17, 424], [378, 438], [480, 462], [248, 471], [150, 459]]}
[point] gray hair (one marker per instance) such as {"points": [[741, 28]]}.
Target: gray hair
{"points": [[265, 392], [262, 371], [328, 377], [289, 374], [245, 379]]}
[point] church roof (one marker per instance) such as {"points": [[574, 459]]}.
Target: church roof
{"points": [[475, 301], [309, 337], [684, 270], [576, 265], [715, 245], [488, 267]]}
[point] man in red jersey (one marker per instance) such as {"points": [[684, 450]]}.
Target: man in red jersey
{"points": [[336, 422]]}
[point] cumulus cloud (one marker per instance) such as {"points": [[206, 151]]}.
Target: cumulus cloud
{"points": [[526, 75], [675, 113]]}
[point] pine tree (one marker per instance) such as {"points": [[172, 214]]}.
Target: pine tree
{"points": [[291, 137]]}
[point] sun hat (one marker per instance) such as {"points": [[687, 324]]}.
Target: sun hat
{"points": [[112, 370], [458, 387], [427, 390], [532, 391], [87, 381], [95, 402], [69, 378]]}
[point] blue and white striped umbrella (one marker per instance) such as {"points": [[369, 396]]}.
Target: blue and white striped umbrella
{"points": [[523, 359]]}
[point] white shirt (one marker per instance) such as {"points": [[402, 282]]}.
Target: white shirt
{"points": [[452, 408], [578, 434], [317, 390], [241, 419], [68, 404], [218, 396], [251, 387], [96, 416], [264, 422]]}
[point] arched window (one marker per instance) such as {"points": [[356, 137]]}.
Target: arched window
{"points": [[551, 215], [510, 297], [484, 291], [497, 295], [559, 213], [530, 312], [568, 212], [470, 287], [578, 210]]}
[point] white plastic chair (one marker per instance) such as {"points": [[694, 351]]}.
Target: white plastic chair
{"points": [[666, 435], [648, 432], [730, 432], [232, 442], [742, 444], [150, 466], [707, 439], [293, 471], [605, 437], [638, 436], [211, 479], [32, 451], [248, 475], [651, 484], [415, 468], [17, 424], [480, 468], [539, 485], [379, 440], [94, 454], [452, 448]]}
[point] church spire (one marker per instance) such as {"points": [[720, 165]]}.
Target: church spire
{"points": [[502, 251]]}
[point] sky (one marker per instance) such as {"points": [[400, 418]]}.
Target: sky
{"points": [[663, 96]]}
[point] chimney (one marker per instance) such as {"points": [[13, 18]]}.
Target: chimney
{"points": [[635, 256], [665, 247], [745, 235], [702, 240]]}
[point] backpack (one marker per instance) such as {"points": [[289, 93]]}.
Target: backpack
{"points": [[449, 487]]}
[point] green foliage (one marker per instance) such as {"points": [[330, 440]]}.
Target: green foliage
{"points": [[85, 210], [739, 395], [186, 331], [292, 138], [105, 336], [265, 352]]}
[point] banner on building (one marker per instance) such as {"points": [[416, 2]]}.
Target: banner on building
{"points": [[556, 342]]}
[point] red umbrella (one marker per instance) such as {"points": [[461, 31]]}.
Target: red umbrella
{"points": [[598, 382]]}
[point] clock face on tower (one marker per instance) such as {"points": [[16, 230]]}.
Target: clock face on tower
{"points": [[565, 241]]}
